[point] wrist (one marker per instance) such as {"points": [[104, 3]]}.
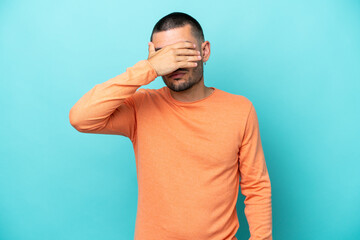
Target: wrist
{"points": [[152, 66]]}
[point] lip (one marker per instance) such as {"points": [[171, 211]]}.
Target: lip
{"points": [[177, 74]]}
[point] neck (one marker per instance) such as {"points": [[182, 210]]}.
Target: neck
{"points": [[196, 92]]}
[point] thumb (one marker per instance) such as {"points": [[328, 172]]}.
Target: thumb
{"points": [[151, 48]]}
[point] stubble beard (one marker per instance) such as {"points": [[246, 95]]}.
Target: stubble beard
{"points": [[193, 79]]}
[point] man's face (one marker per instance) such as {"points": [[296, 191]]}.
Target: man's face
{"points": [[192, 75]]}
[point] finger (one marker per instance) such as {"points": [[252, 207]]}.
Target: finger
{"points": [[187, 58], [187, 52], [183, 44], [186, 64], [151, 47]]}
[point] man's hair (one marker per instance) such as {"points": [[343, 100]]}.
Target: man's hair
{"points": [[179, 19]]}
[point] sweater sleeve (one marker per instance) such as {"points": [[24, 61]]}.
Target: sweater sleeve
{"points": [[255, 182], [109, 107]]}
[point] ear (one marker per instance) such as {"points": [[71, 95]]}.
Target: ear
{"points": [[205, 51]]}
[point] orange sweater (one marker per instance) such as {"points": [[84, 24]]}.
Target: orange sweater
{"points": [[189, 156]]}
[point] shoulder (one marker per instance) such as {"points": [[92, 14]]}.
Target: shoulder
{"points": [[237, 100], [143, 95], [150, 92]]}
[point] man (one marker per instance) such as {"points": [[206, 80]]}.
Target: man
{"points": [[193, 144]]}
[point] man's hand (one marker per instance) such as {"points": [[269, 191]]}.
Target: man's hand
{"points": [[169, 58]]}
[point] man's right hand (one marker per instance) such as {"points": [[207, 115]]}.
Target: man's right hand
{"points": [[169, 58]]}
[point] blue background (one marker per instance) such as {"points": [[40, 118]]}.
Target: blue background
{"points": [[297, 61]]}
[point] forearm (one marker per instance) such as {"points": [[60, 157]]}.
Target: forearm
{"points": [[93, 109], [258, 208]]}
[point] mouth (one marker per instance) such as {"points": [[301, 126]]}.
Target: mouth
{"points": [[177, 74]]}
